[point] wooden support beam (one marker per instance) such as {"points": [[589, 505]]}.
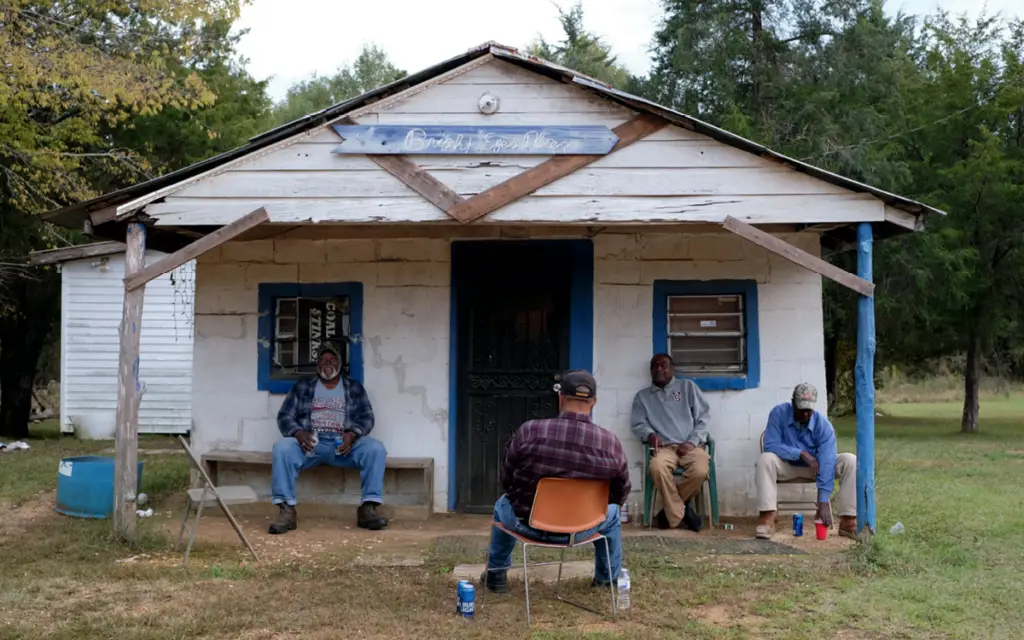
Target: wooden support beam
{"points": [[420, 181], [135, 280], [129, 390], [799, 256], [94, 250], [548, 171]]}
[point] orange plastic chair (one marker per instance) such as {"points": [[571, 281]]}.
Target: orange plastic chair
{"points": [[564, 506]]}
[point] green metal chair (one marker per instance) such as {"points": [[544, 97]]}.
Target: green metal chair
{"points": [[707, 500]]}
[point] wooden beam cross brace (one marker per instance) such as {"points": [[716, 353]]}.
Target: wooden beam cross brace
{"points": [[467, 210], [799, 256], [138, 279]]}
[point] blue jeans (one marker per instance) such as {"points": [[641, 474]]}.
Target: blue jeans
{"points": [[367, 454], [502, 544]]}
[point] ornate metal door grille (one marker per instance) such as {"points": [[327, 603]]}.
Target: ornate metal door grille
{"points": [[513, 338]]}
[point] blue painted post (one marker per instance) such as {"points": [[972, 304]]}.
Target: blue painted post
{"points": [[865, 387]]}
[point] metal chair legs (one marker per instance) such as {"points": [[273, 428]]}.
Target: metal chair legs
{"points": [[611, 583], [558, 582]]}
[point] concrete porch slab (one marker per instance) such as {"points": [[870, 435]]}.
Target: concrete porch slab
{"points": [[572, 569]]}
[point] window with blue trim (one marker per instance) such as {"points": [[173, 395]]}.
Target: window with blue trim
{"points": [[710, 329], [296, 319]]}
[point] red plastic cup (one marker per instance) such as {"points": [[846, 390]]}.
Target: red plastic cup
{"points": [[820, 530]]}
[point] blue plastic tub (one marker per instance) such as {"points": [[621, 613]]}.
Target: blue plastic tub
{"points": [[85, 486]]}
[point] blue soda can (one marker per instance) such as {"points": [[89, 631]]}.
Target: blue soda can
{"points": [[458, 596], [798, 524], [467, 598]]}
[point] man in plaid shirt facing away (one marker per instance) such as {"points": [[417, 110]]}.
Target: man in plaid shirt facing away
{"points": [[568, 446]]}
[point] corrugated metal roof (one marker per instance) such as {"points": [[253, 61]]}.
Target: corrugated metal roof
{"points": [[76, 216]]}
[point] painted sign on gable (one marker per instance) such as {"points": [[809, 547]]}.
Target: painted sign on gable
{"points": [[458, 140]]}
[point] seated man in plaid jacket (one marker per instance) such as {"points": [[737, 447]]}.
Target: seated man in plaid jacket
{"points": [[567, 446], [327, 419]]}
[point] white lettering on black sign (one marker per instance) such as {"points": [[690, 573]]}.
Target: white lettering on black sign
{"points": [[315, 323]]}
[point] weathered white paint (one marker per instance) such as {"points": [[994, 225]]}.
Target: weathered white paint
{"points": [[530, 209], [674, 175], [406, 323], [92, 295], [790, 329]]}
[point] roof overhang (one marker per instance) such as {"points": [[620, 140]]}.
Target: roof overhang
{"points": [[106, 215]]}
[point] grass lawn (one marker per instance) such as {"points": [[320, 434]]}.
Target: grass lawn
{"points": [[955, 573]]}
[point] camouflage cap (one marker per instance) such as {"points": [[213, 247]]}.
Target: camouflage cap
{"points": [[805, 396]]}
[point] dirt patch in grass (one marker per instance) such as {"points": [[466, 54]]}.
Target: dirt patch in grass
{"points": [[728, 616], [17, 519]]}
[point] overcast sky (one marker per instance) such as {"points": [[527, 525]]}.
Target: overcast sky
{"points": [[289, 41]]}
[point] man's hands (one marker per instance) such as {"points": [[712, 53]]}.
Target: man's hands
{"points": [[347, 440], [305, 439], [653, 442], [685, 448], [810, 461], [824, 513]]}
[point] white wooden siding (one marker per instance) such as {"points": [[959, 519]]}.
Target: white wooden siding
{"points": [[92, 300], [674, 175]]}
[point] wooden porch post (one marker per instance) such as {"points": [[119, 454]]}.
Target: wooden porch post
{"points": [[865, 387], [129, 389]]}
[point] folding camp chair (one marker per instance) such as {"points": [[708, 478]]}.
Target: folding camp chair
{"points": [[208, 494], [796, 506], [564, 506], [707, 499]]}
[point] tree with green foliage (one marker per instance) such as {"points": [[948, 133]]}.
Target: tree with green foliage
{"points": [[371, 69], [959, 289], [75, 73], [582, 51]]}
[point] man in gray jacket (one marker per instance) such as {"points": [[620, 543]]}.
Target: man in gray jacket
{"points": [[671, 415]]}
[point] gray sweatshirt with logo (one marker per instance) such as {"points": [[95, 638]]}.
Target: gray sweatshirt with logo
{"points": [[677, 413]]}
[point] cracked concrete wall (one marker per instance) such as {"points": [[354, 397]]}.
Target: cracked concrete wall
{"points": [[406, 347], [405, 351], [791, 341]]}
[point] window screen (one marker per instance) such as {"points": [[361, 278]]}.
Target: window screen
{"points": [[301, 325], [707, 334]]}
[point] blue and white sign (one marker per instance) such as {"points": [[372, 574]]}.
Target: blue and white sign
{"points": [[459, 140]]}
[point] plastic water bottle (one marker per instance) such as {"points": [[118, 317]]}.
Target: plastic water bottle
{"points": [[624, 513], [312, 452], [622, 586]]}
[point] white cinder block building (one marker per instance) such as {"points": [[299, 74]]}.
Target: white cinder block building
{"points": [[491, 221]]}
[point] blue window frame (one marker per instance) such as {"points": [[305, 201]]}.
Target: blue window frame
{"points": [[294, 319], [711, 330]]}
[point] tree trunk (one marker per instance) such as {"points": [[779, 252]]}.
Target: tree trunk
{"points": [[23, 334], [972, 383]]}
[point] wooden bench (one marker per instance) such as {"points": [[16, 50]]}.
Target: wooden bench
{"points": [[212, 458]]}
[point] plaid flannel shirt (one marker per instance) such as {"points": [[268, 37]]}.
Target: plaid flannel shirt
{"points": [[297, 408], [569, 446]]}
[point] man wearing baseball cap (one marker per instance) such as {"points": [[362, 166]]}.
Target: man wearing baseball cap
{"points": [[567, 446], [316, 413], [799, 442]]}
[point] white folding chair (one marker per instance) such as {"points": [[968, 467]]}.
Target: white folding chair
{"points": [[208, 494]]}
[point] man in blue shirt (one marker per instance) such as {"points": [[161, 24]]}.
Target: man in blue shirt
{"points": [[799, 442], [317, 413]]}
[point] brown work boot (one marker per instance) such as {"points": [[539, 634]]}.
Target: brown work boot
{"points": [[287, 520], [368, 518], [848, 527], [765, 526]]}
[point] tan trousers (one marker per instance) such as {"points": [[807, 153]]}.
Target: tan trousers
{"points": [[771, 469], [695, 464]]}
